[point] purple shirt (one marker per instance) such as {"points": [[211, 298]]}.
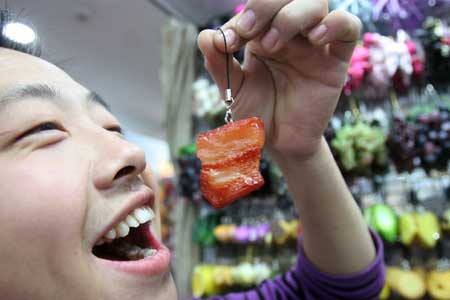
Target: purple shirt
{"points": [[305, 281]]}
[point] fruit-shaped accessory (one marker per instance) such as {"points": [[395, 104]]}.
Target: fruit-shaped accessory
{"points": [[203, 281], [408, 228], [360, 147], [291, 228], [262, 230], [244, 274], [411, 285], [225, 232], [262, 272], [222, 276], [392, 274], [383, 220], [429, 230], [230, 156], [446, 220], [385, 292], [423, 227], [242, 234], [439, 285], [408, 284]]}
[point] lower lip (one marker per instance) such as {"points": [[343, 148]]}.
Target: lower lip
{"points": [[150, 266]]}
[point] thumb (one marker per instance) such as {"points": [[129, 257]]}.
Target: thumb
{"points": [[209, 42]]}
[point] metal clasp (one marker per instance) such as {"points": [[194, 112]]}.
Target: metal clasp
{"points": [[229, 101]]}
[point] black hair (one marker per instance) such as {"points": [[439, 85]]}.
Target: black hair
{"points": [[7, 17]]}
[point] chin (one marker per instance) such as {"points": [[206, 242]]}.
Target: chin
{"points": [[159, 287]]}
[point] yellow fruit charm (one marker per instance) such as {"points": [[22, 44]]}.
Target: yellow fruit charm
{"points": [[429, 230], [408, 228], [439, 285]]}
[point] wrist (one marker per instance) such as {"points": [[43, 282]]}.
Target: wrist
{"points": [[296, 159]]}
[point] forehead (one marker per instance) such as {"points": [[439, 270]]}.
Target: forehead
{"points": [[19, 69], [24, 76]]}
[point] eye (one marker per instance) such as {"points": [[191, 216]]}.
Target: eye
{"points": [[46, 126], [116, 128]]}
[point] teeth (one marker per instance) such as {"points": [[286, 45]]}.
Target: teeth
{"points": [[139, 216], [111, 234], [134, 252], [122, 229], [148, 252], [143, 215], [150, 211], [131, 221]]}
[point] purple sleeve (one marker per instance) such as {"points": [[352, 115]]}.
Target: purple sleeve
{"points": [[305, 281]]}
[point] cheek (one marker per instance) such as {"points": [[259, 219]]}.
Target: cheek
{"points": [[42, 201], [150, 181]]}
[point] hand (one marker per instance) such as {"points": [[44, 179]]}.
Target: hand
{"points": [[295, 65]]}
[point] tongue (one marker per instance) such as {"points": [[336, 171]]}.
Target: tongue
{"points": [[141, 236]]}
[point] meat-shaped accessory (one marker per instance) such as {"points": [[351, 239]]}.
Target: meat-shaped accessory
{"points": [[230, 157]]}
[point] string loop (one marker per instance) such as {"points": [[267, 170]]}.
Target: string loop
{"points": [[229, 100]]}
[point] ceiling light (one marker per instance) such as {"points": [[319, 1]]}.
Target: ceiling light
{"points": [[19, 33]]}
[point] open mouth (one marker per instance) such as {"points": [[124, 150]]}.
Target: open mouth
{"points": [[128, 244], [131, 239]]}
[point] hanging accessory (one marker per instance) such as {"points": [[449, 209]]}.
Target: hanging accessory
{"points": [[230, 154], [229, 100]]}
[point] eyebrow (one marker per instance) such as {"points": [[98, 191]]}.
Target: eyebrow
{"points": [[96, 98], [45, 92]]}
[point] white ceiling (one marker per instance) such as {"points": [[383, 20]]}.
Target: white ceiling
{"points": [[198, 11], [110, 46], [113, 47]]}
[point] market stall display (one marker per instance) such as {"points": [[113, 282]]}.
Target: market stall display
{"points": [[391, 140]]}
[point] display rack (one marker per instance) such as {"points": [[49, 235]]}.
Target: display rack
{"points": [[391, 139]]}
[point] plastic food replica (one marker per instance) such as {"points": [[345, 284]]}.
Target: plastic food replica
{"points": [[230, 154], [439, 284], [214, 279], [361, 147], [415, 283], [230, 157], [383, 220], [423, 227], [408, 284]]}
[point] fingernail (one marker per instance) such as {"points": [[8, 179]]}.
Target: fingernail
{"points": [[247, 21], [270, 39], [318, 33], [230, 36]]}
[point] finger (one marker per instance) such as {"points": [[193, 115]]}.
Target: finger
{"points": [[252, 21], [215, 62], [297, 17], [339, 28]]}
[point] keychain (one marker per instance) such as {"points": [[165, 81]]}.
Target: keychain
{"points": [[230, 154], [229, 100]]}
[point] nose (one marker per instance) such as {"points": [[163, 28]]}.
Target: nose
{"points": [[118, 160]]}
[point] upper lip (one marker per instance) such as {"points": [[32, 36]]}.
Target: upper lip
{"points": [[144, 196]]}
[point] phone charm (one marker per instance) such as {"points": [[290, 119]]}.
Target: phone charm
{"points": [[230, 154]]}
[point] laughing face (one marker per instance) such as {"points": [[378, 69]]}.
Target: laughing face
{"points": [[78, 215]]}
